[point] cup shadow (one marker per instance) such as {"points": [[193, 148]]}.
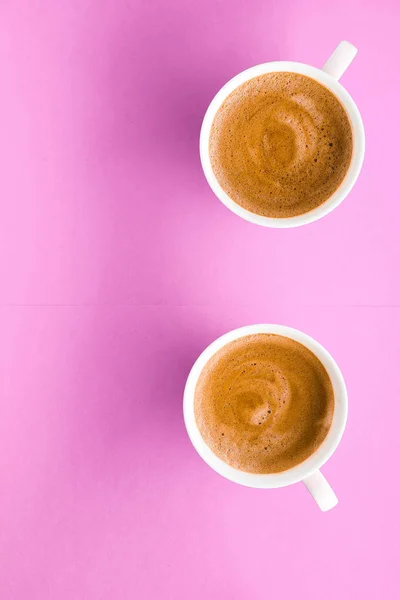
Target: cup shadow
{"points": [[131, 371], [159, 82]]}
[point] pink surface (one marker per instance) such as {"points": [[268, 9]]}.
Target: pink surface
{"points": [[118, 266]]}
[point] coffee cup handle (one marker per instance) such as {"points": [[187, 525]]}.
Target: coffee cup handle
{"points": [[321, 491], [340, 59]]}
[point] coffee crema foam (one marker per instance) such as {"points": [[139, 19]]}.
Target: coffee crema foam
{"points": [[280, 144], [264, 403]]}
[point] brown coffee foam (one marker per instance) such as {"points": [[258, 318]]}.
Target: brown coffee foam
{"points": [[264, 403], [280, 144]]}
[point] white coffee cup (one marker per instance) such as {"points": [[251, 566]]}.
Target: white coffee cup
{"points": [[307, 471], [328, 76]]}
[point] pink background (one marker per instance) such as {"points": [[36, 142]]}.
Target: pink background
{"points": [[118, 266]]}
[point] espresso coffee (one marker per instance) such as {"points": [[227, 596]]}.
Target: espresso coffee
{"points": [[280, 144], [264, 403]]}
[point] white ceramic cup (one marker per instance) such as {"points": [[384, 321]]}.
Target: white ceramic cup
{"points": [[328, 76], [307, 471]]}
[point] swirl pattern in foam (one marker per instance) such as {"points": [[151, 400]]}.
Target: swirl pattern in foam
{"points": [[264, 403], [281, 144]]}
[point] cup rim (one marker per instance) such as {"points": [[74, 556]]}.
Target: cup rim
{"points": [[298, 472], [358, 143]]}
